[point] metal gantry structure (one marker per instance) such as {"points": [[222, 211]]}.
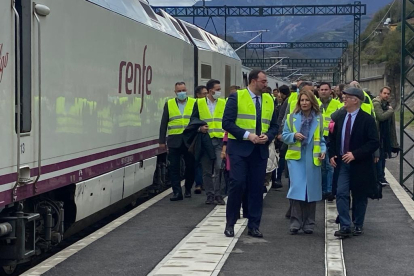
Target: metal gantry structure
{"points": [[407, 70], [290, 45], [357, 10], [318, 62]]}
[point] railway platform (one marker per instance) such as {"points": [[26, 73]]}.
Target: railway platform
{"points": [[161, 237]]}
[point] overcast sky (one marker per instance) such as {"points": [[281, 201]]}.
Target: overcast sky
{"points": [[172, 2]]}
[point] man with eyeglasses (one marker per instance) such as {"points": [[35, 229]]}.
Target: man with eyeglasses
{"points": [[176, 117], [353, 142], [250, 121]]}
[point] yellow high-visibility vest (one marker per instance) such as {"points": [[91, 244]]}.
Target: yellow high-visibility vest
{"points": [[215, 120], [177, 121], [294, 151], [333, 106], [368, 107], [246, 112]]}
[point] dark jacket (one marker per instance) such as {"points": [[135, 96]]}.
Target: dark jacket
{"points": [[173, 141], [385, 115], [364, 142], [239, 146], [198, 143]]}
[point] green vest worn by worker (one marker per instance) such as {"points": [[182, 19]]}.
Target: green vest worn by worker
{"points": [[294, 151], [246, 112], [177, 121], [215, 120], [368, 107], [333, 106]]}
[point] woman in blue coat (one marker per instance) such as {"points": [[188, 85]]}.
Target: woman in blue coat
{"points": [[303, 133]]}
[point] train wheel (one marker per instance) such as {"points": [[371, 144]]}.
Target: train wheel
{"points": [[9, 270]]}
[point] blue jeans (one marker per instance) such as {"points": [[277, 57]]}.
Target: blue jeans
{"points": [[199, 175], [359, 204], [327, 175]]}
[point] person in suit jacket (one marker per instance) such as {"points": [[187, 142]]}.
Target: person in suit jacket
{"points": [[354, 141], [250, 120], [176, 117]]}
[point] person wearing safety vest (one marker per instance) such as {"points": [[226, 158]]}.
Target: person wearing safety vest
{"points": [[210, 110], [251, 123], [303, 133], [327, 105], [176, 117]]}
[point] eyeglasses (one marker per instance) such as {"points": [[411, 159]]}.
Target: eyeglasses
{"points": [[344, 97]]}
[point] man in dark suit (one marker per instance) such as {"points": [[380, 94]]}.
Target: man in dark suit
{"points": [[353, 143], [176, 117], [250, 120]]}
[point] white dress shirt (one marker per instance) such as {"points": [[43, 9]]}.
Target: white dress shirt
{"points": [[211, 106]]}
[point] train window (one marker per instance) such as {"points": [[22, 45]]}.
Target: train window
{"points": [[209, 38], [195, 33], [214, 41], [149, 11], [205, 71], [177, 26]]}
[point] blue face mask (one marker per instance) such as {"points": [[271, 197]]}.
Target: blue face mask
{"points": [[297, 90], [182, 95]]}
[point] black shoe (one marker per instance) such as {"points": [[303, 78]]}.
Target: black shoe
{"points": [[358, 231], [308, 231], [264, 190], [197, 190], [343, 233], [176, 197], [294, 231], [187, 194], [229, 231], [331, 198], [255, 233], [219, 200], [210, 199], [277, 184]]}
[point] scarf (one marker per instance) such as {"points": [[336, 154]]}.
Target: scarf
{"points": [[305, 126]]}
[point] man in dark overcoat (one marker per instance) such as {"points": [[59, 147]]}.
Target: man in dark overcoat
{"points": [[353, 143]]}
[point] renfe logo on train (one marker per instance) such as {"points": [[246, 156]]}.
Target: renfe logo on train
{"points": [[135, 78], [4, 59]]}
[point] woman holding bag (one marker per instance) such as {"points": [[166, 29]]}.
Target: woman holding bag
{"points": [[303, 133]]}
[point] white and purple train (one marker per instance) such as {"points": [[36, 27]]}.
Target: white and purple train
{"points": [[82, 87]]}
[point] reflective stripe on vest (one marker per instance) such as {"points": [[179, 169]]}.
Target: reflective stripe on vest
{"points": [[214, 122], [368, 107], [294, 151], [246, 112], [177, 121], [332, 107]]}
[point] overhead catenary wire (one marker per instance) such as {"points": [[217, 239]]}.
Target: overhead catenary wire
{"points": [[381, 21]]}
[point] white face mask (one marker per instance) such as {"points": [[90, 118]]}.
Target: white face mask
{"points": [[217, 95]]}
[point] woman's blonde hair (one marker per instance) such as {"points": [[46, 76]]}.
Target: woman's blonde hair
{"points": [[308, 93]]}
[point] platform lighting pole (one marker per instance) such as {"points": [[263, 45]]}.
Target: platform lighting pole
{"points": [[407, 30]]}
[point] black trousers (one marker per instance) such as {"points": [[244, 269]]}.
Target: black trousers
{"points": [[174, 168], [247, 176]]}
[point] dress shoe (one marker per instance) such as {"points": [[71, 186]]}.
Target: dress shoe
{"points": [[187, 194], [277, 184], [343, 233], [264, 190], [331, 197], [308, 231], [210, 199], [294, 231], [229, 231], [197, 190], [357, 231], [255, 233], [219, 200], [176, 197]]}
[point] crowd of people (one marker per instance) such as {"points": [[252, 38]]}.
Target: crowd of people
{"points": [[330, 143]]}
